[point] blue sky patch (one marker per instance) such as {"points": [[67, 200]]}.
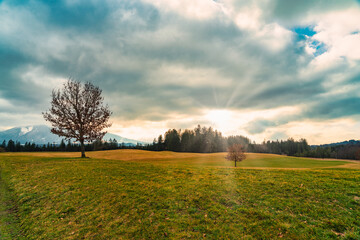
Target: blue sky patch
{"points": [[307, 31], [319, 46]]}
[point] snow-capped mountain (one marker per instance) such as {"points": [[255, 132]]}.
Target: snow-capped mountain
{"points": [[41, 134]]}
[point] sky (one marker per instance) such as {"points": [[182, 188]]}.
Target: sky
{"points": [[265, 69]]}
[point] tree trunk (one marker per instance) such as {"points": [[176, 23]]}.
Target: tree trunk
{"points": [[82, 149]]}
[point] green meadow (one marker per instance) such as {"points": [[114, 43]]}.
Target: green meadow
{"points": [[133, 194]]}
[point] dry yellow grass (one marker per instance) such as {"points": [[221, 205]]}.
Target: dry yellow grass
{"points": [[122, 154], [253, 160]]}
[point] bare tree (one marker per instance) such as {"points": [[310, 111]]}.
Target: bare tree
{"points": [[77, 112], [236, 153]]}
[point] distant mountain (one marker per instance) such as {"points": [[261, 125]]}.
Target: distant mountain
{"points": [[350, 142], [41, 134]]}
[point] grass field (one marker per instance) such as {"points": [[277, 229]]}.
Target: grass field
{"points": [[131, 194]]}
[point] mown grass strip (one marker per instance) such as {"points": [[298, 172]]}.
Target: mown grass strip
{"points": [[9, 221]]}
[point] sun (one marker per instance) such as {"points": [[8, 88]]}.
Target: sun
{"points": [[219, 118]]}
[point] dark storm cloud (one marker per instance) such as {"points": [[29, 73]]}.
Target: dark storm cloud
{"points": [[20, 94], [334, 108], [124, 46]]}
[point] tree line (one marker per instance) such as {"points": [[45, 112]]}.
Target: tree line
{"points": [[98, 145], [288, 147], [301, 148], [208, 140], [199, 140], [346, 151]]}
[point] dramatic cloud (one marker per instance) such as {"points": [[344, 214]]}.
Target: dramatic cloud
{"points": [[258, 68]]}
